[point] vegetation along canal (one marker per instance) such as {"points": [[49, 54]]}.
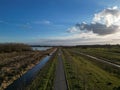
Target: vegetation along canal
{"points": [[24, 80]]}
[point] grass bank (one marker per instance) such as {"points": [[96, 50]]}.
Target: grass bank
{"points": [[45, 78], [82, 74]]}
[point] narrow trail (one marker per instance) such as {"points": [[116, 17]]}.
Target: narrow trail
{"points": [[98, 59], [60, 80], [110, 63]]}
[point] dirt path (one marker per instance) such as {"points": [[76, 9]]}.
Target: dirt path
{"points": [[60, 81], [101, 60]]}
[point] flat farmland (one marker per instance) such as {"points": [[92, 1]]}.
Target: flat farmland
{"points": [[68, 68], [85, 73]]}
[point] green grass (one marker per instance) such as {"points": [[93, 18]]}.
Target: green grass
{"points": [[82, 74], [111, 69], [45, 78], [112, 54]]}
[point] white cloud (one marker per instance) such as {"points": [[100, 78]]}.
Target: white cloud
{"points": [[82, 39], [103, 23], [72, 29], [109, 16], [46, 22]]}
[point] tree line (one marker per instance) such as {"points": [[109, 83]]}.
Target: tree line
{"points": [[14, 47]]}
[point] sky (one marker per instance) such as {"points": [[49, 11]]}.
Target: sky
{"points": [[60, 22]]}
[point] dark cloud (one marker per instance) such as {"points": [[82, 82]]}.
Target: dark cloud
{"points": [[98, 28]]}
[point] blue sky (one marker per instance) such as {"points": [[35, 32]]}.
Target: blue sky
{"points": [[43, 21]]}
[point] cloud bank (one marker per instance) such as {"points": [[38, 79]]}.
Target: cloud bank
{"points": [[109, 16], [103, 23], [98, 28]]}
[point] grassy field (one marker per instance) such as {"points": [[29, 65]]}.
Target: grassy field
{"points": [[84, 74], [111, 54]]}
